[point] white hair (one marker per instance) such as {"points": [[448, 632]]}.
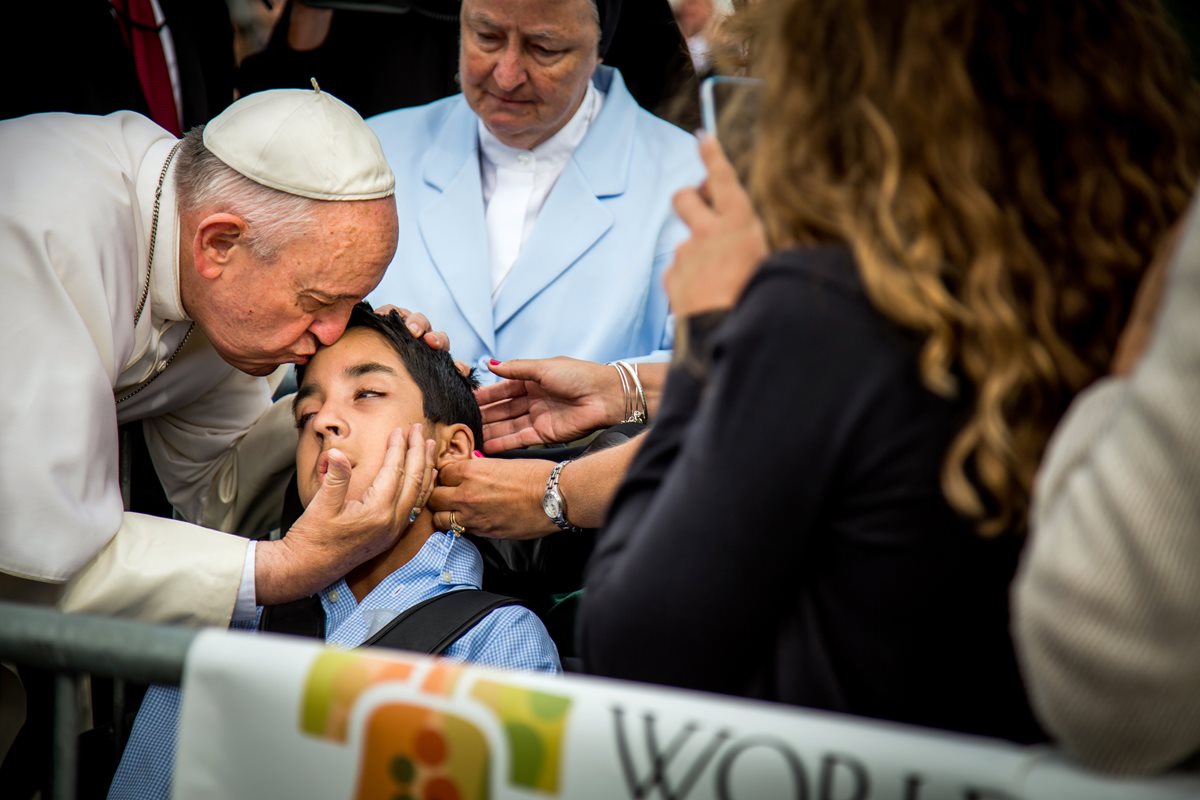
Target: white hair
{"points": [[274, 218]]}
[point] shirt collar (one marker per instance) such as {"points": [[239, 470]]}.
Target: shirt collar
{"points": [[445, 561], [557, 149]]}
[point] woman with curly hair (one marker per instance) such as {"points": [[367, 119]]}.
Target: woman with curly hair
{"points": [[960, 198]]}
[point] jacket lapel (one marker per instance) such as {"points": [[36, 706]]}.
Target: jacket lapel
{"points": [[452, 222], [574, 218]]}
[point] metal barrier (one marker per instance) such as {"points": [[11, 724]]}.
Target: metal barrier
{"points": [[599, 738], [71, 645]]}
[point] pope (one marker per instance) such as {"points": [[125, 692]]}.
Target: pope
{"points": [[161, 280]]}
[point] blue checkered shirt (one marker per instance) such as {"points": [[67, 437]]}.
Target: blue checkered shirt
{"points": [[510, 636]]}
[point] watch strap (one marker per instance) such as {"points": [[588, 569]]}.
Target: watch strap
{"points": [[552, 488]]}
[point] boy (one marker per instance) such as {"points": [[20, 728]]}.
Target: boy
{"points": [[351, 395]]}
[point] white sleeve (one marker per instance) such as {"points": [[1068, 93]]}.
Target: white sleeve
{"points": [[161, 570], [1105, 603], [225, 459], [59, 489]]}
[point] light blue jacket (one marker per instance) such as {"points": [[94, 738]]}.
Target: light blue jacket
{"points": [[588, 280]]}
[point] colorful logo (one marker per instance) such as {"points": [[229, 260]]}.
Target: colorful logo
{"points": [[412, 751]]}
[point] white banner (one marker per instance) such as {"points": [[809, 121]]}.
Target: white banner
{"points": [[267, 716]]}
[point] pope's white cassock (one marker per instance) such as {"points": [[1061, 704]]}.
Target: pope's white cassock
{"points": [[76, 213]]}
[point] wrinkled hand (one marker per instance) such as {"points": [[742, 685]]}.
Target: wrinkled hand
{"points": [[548, 401], [727, 243], [420, 326], [335, 534], [494, 497]]}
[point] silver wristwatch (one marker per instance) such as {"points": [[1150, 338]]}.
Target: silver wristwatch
{"points": [[553, 502]]}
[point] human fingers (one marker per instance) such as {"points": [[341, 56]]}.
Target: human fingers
{"points": [[522, 369], [450, 475], [441, 520], [692, 209], [722, 184], [451, 508], [384, 310], [387, 481], [503, 390], [428, 477], [417, 324], [519, 437], [440, 340], [462, 367], [514, 409], [442, 501], [331, 494], [415, 459]]}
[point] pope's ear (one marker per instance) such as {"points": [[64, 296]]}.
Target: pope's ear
{"points": [[454, 443], [216, 237]]}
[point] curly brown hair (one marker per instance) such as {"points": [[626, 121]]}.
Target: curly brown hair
{"points": [[1004, 173]]}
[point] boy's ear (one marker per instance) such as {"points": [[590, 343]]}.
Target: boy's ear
{"points": [[454, 443]]}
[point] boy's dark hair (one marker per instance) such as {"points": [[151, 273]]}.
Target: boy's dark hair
{"points": [[447, 395]]}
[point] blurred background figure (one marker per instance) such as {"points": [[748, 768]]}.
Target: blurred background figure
{"points": [[696, 19], [253, 21], [375, 56], [172, 60], [1105, 604], [380, 55]]}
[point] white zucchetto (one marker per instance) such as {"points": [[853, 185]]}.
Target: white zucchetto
{"points": [[304, 142]]}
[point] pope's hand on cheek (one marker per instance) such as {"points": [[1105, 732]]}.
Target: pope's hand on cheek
{"points": [[343, 531]]}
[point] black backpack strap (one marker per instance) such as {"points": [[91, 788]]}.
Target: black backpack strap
{"points": [[303, 617], [433, 625]]}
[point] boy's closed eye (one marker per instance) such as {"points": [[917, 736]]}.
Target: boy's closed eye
{"points": [[306, 415]]}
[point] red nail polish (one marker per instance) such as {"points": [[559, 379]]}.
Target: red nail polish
{"points": [[479, 454], [493, 361]]}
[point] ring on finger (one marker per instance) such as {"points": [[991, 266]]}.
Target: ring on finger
{"points": [[458, 530], [412, 515]]}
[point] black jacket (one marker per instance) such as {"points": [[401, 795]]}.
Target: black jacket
{"points": [[782, 533]]}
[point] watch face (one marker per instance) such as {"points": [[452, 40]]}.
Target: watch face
{"points": [[551, 505]]}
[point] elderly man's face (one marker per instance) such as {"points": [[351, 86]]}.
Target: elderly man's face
{"points": [[259, 316], [525, 64]]}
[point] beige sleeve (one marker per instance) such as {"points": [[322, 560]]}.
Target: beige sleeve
{"points": [[1105, 603], [161, 570]]}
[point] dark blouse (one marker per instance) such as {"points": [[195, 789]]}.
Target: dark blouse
{"points": [[782, 533]]}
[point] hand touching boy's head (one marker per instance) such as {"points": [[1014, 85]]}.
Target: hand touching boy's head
{"points": [[376, 378]]}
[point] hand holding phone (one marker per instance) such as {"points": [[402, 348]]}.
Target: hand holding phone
{"points": [[727, 241]]}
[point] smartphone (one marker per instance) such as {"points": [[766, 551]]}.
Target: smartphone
{"points": [[729, 106], [729, 110]]}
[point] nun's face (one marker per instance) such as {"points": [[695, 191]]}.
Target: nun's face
{"points": [[525, 64]]}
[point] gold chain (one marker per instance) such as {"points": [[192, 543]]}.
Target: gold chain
{"points": [[137, 314], [162, 177], [160, 370]]}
